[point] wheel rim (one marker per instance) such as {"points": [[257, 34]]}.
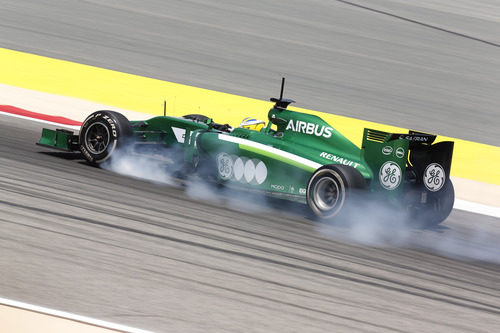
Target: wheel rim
{"points": [[326, 193], [97, 138]]}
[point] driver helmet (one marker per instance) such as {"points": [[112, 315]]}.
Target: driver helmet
{"points": [[252, 123]]}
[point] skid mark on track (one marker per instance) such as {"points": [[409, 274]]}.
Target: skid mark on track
{"points": [[431, 26], [399, 285]]}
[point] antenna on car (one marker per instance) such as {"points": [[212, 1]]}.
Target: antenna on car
{"points": [[282, 87], [282, 103], [164, 107]]}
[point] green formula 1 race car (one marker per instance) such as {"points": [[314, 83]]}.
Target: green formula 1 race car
{"points": [[296, 156]]}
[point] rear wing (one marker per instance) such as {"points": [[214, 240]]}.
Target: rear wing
{"points": [[396, 159]]}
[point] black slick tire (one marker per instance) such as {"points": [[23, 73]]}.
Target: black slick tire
{"points": [[102, 133], [332, 188], [438, 207]]}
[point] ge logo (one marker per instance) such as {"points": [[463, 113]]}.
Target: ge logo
{"points": [[434, 177], [400, 152], [224, 166], [390, 175]]}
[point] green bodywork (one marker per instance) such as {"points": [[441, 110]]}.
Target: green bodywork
{"points": [[57, 139], [298, 145], [278, 159], [290, 153]]}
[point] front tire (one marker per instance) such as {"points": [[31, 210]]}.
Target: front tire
{"points": [[102, 133], [331, 188]]}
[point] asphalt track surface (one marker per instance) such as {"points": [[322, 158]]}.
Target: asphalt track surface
{"points": [[165, 258], [427, 65]]}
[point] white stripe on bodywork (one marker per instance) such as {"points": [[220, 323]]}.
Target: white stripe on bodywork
{"points": [[272, 150]]}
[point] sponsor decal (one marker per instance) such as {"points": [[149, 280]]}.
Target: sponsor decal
{"points": [[309, 128], [260, 171], [239, 168], [387, 150], [245, 170], [302, 191], [339, 160], [434, 177], [179, 134], [390, 175], [400, 152], [224, 166], [249, 171], [417, 138], [277, 187], [262, 149]]}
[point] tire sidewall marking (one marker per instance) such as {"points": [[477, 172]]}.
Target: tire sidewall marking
{"points": [[112, 127]]}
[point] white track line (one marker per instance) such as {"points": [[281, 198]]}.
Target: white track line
{"points": [[476, 208], [40, 120], [459, 203], [70, 316]]}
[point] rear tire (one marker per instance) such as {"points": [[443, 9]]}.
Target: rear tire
{"points": [[102, 133], [438, 207], [331, 188]]}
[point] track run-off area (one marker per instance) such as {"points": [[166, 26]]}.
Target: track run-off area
{"points": [[162, 256]]}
